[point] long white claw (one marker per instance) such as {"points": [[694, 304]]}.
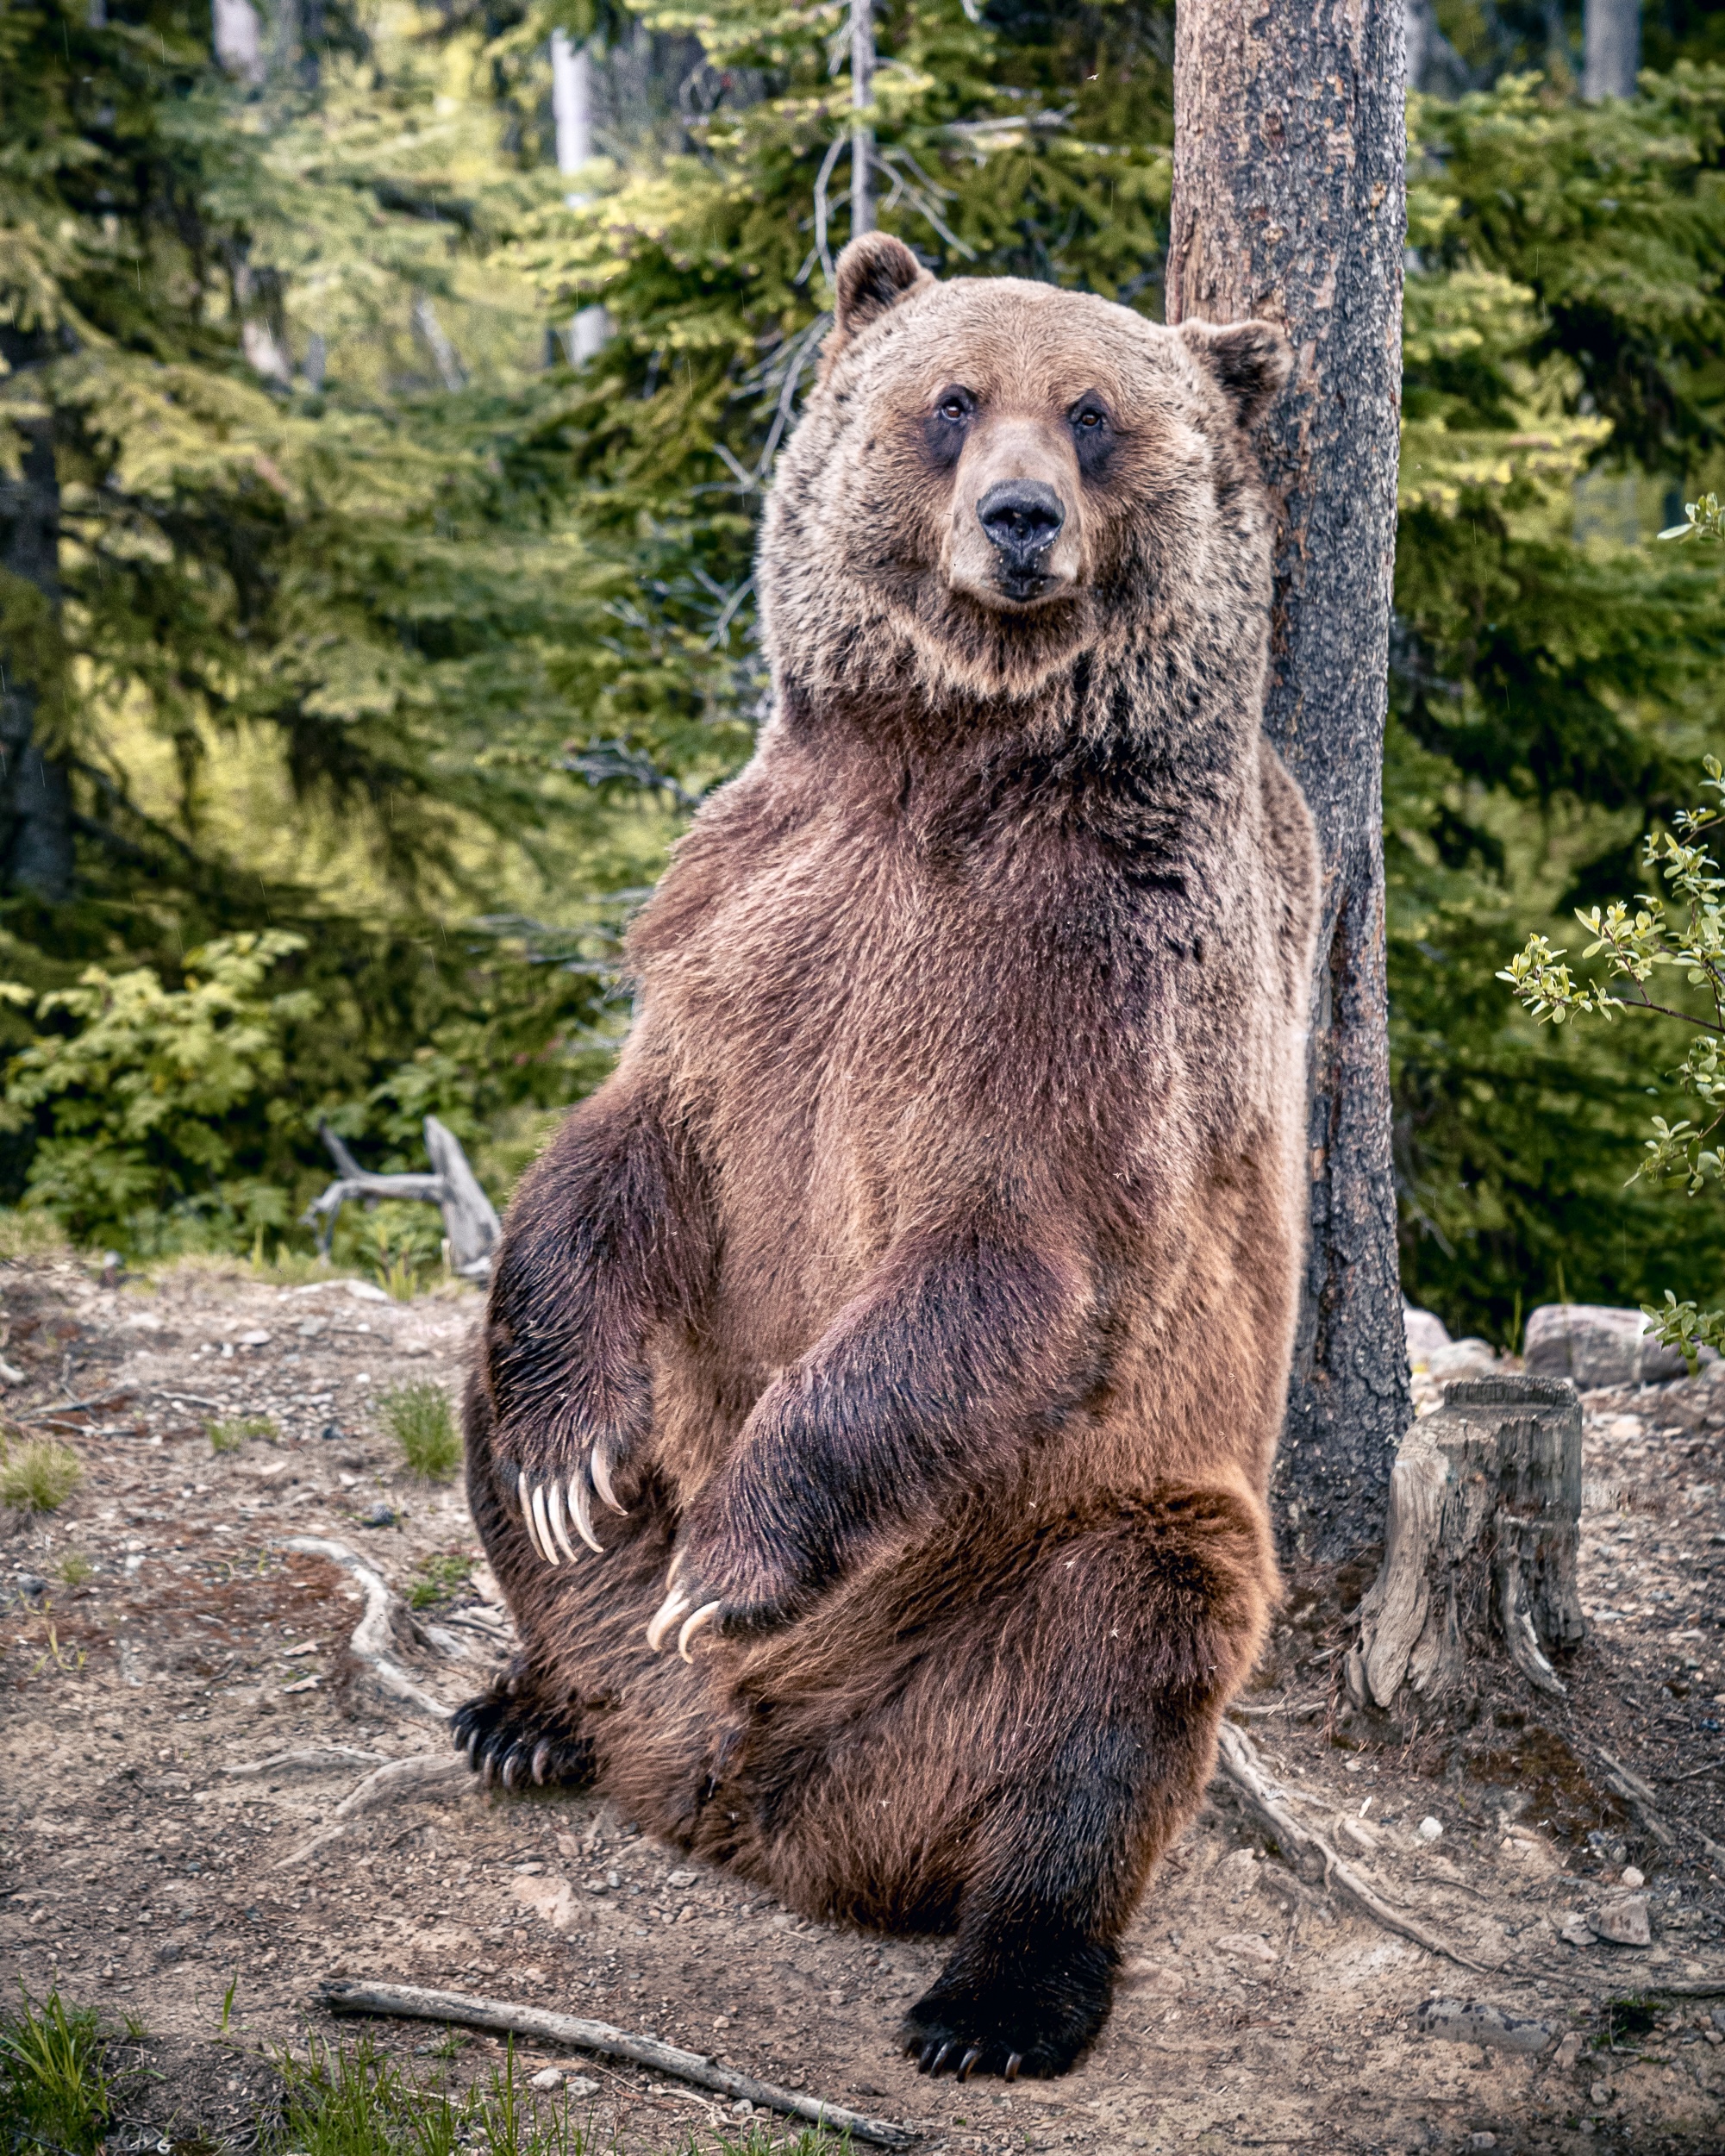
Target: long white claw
{"points": [[704, 1615], [670, 1613], [602, 1481], [559, 1526], [525, 1493], [581, 1512], [542, 1526]]}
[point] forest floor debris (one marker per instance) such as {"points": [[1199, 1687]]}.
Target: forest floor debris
{"points": [[182, 1708]]}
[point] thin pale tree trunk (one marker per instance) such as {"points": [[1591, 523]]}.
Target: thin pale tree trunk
{"points": [[1290, 204], [862, 135], [1612, 44], [572, 106]]}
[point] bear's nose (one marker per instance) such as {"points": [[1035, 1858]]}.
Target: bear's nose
{"points": [[1022, 518]]}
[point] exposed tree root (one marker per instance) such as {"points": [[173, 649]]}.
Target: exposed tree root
{"points": [[1239, 1765], [342, 1996], [1639, 1798], [418, 1775], [372, 1636], [318, 1760]]}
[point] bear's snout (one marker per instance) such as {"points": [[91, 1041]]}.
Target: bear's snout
{"points": [[1022, 518]]}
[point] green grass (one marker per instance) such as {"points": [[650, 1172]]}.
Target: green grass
{"points": [[417, 1416], [438, 1578], [74, 1568], [228, 1436], [354, 2100], [53, 2091], [39, 1475]]}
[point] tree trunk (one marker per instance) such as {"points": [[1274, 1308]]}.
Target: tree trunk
{"points": [[862, 135], [1480, 1554], [1611, 46], [1289, 204], [35, 791], [572, 107]]}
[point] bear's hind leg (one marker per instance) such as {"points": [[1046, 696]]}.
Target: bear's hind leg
{"points": [[1106, 1654]]}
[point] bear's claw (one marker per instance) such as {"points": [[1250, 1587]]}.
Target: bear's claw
{"points": [[548, 1514], [505, 1743], [1036, 2024]]}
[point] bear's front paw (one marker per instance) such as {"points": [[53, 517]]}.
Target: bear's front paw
{"points": [[730, 1578], [557, 1504]]}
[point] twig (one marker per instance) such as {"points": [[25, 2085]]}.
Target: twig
{"points": [[1240, 1765], [1635, 1793], [398, 1777], [76, 1407], [371, 1641], [307, 1762], [410, 2001]]}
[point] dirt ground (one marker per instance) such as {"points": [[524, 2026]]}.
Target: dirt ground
{"points": [[158, 1634]]}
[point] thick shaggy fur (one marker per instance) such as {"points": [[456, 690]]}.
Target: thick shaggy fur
{"points": [[923, 1281]]}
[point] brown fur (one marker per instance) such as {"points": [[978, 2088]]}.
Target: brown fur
{"points": [[925, 1274]]}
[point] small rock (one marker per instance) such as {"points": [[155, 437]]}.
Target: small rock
{"points": [[1246, 1943], [1600, 2092], [381, 1514], [682, 1878], [364, 1291], [1481, 2140], [1472, 2021], [1576, 1931], [578, 2084], [1463, 1358], [1624, 1922], [1594, 1346], [1633, 1877], [334, 1432], [32, 1584], [1568, 2051], [1428, 1829], [550, 2077], [1426, 1331], [253, 1340]]}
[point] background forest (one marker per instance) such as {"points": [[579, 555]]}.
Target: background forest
{"points": [[363, 653]]}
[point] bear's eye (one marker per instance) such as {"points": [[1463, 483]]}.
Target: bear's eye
{"points": [[1092, 436], [955, 405], [1088, 420]]}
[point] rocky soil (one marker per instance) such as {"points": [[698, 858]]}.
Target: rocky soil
{"points": [[180, 1717]]}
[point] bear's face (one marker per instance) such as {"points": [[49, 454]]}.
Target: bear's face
{"points": [[994, 475]]}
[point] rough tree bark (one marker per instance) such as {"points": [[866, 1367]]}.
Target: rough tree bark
{"points": [[1289, 204], [1612, 46], [35, 791]]}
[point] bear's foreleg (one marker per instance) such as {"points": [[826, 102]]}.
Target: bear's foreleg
{"points": [[958, 1337], [1104, 1661]]}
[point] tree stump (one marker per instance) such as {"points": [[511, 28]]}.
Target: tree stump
{"points": [[1480, 1553]]}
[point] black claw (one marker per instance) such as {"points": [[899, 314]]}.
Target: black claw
{"points": [[925, 2058], [512, 1766], [941, 2058], [967, 2064], [541, 1759], [1013, 2063]]}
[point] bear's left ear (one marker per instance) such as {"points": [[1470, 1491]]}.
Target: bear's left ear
{"points": [[1249, 361], [874, 274]]}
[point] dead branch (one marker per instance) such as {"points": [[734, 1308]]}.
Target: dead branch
{"points": [[412, 1777], [342, 1996], [1240, 1767], [371, 1642], [1639, 1798], [469, 1217], [317, 1761]]}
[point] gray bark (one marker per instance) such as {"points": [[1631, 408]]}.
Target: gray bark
{"points": [[572, 109], [1611, 45], [1290, 204], [862, 135], [470, 1219], [35, 790], [1481, 1549]]}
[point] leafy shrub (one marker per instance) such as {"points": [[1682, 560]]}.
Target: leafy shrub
{"points": [[136, 1090], [228, 1436], [54, 2092], [417, 1416], [39, 1475]]}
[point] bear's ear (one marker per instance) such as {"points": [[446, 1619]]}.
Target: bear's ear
{"points": [[874, 274], [1249, 361]]}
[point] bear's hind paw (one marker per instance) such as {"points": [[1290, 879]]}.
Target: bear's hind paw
{"points": [[507, 1741], [1031, 2024]]}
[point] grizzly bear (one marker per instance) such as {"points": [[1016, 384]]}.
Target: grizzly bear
{"points": [[875, 1408]]}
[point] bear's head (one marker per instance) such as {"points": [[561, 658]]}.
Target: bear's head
{"points": [[994, 478]]}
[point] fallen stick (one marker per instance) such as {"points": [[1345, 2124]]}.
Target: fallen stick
{"points": [[370, 1644], [398, 1777], [1639, 1798], [343, 1996], [1240, 1765]]}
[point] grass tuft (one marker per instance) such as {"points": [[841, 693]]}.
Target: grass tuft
{"points": [[229, 1435], [439, 1577], [54, 2092], [418, 1418], [39, 1475], [75, 1568]]}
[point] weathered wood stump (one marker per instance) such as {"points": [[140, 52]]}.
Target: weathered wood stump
{"points": [[1480, 1553], [469, 1217]]}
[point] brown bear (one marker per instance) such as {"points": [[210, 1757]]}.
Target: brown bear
{"points": [[904, 1327]]}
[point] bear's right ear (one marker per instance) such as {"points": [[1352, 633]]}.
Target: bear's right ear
{"points": [[874, 274]]}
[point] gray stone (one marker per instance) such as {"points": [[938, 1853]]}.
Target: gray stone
{"points": [[1593, 1346], [1463, 1358], [32, 1584], [381, 1514], [1427, 1333], [1623, 1922], [1576, 1931], [1472, 2021]]}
